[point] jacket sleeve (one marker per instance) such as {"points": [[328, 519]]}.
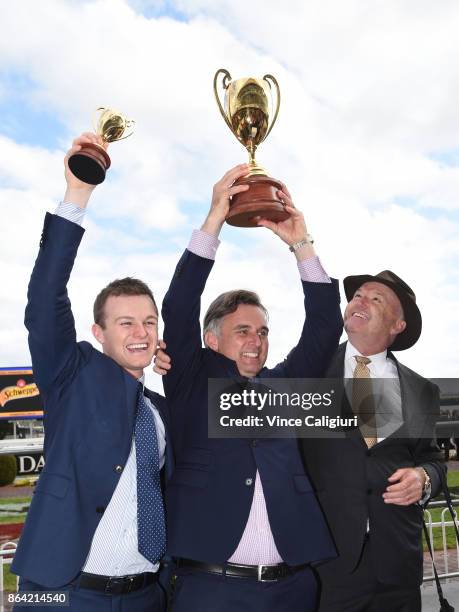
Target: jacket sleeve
{"points": [[181, 311], [320, 335], [427, 453], [48, 316]]}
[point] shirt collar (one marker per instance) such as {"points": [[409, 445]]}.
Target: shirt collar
{"points": [[141, 380], [351, 351]]}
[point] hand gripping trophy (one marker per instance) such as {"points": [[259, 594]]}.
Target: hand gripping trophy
{"points": [[92, 161], [249, 113]]}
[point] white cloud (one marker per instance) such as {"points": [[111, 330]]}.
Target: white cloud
{"points": [[367, 95]]}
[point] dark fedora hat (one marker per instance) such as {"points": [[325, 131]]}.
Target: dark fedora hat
{"points": [[405, 294]]}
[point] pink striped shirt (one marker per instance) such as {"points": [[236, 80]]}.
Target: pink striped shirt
{"points": [[257, 545]]}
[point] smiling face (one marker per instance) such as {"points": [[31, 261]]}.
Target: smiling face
{"points": [[129, 334], [243, 337], [373, 318]]}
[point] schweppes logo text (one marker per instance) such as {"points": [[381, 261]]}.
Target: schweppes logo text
{"points": [[9, 394]]}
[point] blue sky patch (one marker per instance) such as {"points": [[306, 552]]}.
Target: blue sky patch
{"points": [[447, 159], [156, 9], [22, 121]]}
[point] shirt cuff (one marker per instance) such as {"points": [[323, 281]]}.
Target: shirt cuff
{"points": [[71, 212], [311, 271], [203, 244]]}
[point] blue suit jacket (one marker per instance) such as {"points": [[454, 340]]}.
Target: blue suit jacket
{"points": [[210, 494], [90, 406]]}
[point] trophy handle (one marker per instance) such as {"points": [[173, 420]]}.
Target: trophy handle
{"points": [[267, 78], [226, 78], [129, 124]]}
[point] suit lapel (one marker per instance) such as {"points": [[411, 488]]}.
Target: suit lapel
{"points": [[132, 388], [336, 367], [160, 404], [336, 370], [407, 392], [413, 403]]}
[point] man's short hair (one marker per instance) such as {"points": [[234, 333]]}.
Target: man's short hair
{"points": [[121, 286], [225, 304]]}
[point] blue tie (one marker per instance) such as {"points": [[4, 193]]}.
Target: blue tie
{"points": [[151, 528]]}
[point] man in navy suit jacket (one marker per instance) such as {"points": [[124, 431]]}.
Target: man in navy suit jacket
{"points": [[243, 522], [81, 532]]}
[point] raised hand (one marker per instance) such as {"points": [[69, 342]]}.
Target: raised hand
{"points": [[222, 192], [162, 361], [77, 191], [293, 229]]}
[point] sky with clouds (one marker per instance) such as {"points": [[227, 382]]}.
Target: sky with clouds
{"points": [[367, 141]]}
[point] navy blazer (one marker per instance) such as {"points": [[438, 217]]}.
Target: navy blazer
{"points": [[210, 494], [89, 402]]}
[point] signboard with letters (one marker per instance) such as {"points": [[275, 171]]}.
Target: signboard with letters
{"points": [[19, 395]]}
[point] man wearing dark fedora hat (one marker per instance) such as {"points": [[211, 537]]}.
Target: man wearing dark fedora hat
{"points": [[372, 482]]}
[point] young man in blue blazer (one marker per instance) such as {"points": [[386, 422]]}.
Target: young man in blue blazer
{"points": [[95, 528]]}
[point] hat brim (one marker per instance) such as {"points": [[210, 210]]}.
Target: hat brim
{"points": [[410, 335]]}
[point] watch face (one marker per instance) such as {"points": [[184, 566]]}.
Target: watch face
{"points": [[297, 245]]}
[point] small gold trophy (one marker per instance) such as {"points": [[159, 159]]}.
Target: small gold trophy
{"points": [[249, 113], [92, 161]]}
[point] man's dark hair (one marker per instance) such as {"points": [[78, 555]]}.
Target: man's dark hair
{"points": [[122, 286], [225, 304]]}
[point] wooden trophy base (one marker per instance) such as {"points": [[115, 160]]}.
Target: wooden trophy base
{"points": [[90, 164], [260, 200]]}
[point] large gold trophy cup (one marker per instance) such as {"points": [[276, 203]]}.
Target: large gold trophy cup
{"points": [[92, 161], [249, 112]]}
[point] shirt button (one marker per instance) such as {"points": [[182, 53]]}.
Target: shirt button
{"points": [[254, 442], [100, 509], [118, 469], [248, 481]]}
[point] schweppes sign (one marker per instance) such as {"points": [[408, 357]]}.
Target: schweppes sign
{"points": [[19, 395], [14, 393]]}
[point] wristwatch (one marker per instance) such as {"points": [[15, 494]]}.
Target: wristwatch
{"points": [[427, 488], [308, 239]]}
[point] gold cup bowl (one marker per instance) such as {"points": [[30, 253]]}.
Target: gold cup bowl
{"points": [[250, 113], [92, 161]]}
